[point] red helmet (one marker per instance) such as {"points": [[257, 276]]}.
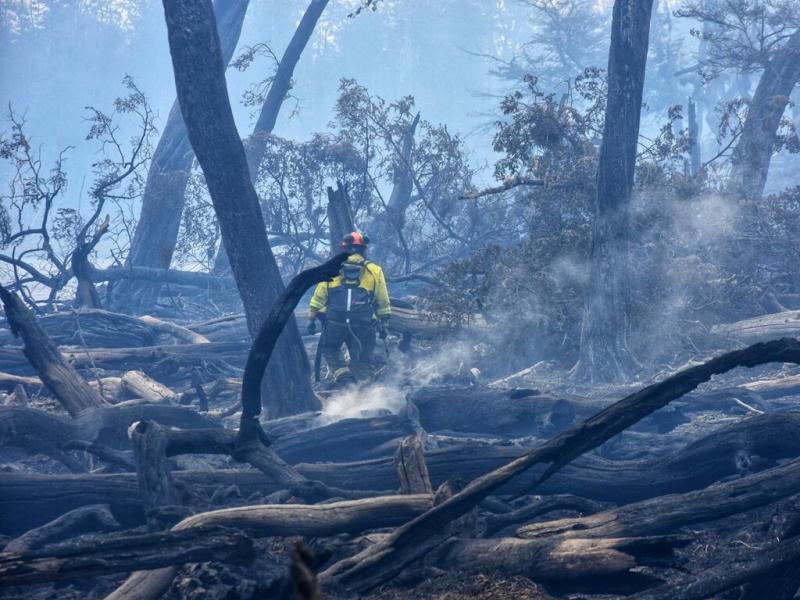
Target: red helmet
{"points": [[356, 238]]}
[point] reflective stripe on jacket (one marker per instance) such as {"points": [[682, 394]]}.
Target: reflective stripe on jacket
{"points": [[372, 280]]}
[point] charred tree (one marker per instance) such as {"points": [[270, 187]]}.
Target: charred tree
{"points": [[200, 81], [162, 204], [751, 159], [604, 354], [340, 215], [256, 144]]}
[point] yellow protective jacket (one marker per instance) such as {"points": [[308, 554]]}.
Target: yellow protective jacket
{"points": [[372, 280]]}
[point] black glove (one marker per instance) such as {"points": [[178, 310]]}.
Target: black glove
{"points": [[312, 326], [383, 330]]}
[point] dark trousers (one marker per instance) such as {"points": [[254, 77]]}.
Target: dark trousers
{"points": [[360, 342]]}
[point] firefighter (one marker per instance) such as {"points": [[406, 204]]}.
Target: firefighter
{"points": [[351, 308]]}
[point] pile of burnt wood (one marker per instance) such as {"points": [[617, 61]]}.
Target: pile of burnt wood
{"points": [[148, 478]]}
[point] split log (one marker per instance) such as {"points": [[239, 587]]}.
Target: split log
{"points": [[382, 562], [83, 520], [72, 392], [140, 385], [409, 462], [119, 555]]}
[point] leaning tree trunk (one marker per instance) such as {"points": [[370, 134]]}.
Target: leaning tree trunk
{"points": [[200, 82], [256, 144], [162, 204], [604, 353], [750, 164]]}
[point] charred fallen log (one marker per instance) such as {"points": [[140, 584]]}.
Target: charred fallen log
{"points": [[75, 522], [72, 392], [122, 554], [552, 560], [29, 500], [665, 514], [376, 565]]}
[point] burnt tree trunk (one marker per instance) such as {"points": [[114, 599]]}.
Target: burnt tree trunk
{"points": [[256, 144], [751, 159], [387, 228], [340, 216], [200, 81], [162, 204], [604, 354], [69, 388]]}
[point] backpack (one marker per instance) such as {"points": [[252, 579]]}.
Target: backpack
{"points": [[349, 303]]}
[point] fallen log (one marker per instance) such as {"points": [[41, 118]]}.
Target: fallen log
{"points": [[93, 327], [8, 382], [774, 388], [541, 505], [180, 333], [551, 560], [666, 514], [82, 520], [376, 565], [141, 386], [69, 388], [122, 554], [762, 328], [34, 499], [228, 358]]}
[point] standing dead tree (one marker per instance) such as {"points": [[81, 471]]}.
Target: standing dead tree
{"points": [[202, 92], [162, 203], [604, 353]]}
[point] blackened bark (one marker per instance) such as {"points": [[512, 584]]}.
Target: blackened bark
{"points": [[751, 159], [69, 388], [162, 204], [203, 96], [340, 216], [387, 229], [604, 354], [256, 144]]}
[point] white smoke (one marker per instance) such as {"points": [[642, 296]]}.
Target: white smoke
{"points": [[401, 374]]}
